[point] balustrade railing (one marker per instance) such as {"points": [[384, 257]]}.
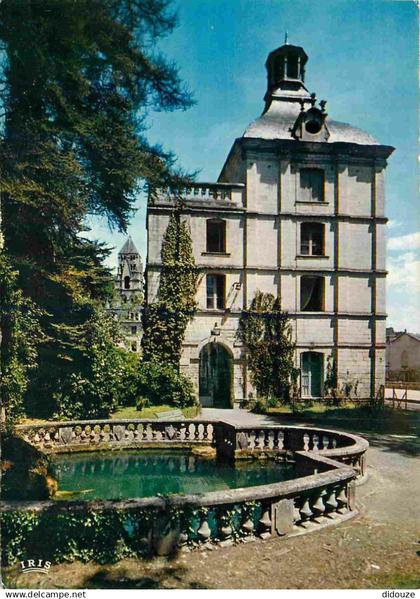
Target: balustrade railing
{"points": [[84, 434], [233, 442], [198, 191], [327, 464]]}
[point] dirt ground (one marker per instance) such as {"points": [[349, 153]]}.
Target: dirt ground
{"points": [[380, 548]]}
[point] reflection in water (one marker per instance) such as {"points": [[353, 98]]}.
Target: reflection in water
{"points": [[145, 473]]}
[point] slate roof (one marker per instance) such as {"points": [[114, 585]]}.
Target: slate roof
{"points": [[129, 247], [277, 122]]}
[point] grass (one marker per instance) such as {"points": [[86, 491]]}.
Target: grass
{"points": [[150, 412], [129, 413]]}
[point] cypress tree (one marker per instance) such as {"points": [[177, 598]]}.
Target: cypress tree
{"points": [[166, 320]]}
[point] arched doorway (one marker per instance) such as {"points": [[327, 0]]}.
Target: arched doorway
{"points": [[312, 368], [216, 371]]}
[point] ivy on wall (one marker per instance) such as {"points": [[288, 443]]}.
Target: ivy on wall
{"points": [[266, 333], [165, 321], [83, 533]]}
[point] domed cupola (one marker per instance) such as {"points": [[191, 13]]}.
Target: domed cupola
{"points": [[291, 112], [286, 73]]}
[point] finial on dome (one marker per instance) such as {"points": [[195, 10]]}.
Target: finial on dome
{"points": [[286, 38]]}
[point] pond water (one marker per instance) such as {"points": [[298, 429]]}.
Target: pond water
{"points": [[146, 473]]}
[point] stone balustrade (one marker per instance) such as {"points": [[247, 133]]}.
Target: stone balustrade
{"points": [[233, 442], [206, 192], [85, 435], [221, 518], [327, 463]]}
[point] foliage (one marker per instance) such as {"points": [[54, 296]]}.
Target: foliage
{"points": [[86, 533], [164, 384], [165, 322], [90, 377], [266, 333], [21, 336], [77, 81], [330, 382]]}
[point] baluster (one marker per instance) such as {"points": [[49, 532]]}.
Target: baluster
{"points": [[257, 440], [183, 541], [154, 431], [276, 440], [267, 438], [306, 442], [342, 501], [187, 432], [197, 432], [204, 531], [205, 432], [315, 442], [325, 442], [265, 523], [211, 433], [318, 506], [248, 527], [297, 518], [226, 531], [331, 503], [305, 512], [281, 439]]}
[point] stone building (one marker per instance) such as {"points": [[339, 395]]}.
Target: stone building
{"points": [[129, 294], [298, 211], [402, 356]]}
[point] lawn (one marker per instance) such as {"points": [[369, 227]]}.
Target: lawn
{"points": [[129, 413]]}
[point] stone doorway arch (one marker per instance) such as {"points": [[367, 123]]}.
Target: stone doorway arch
{"points": [[215, 376]]}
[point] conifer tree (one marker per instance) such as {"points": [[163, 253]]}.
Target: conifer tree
{"points": [[78, 79], [166, 320]]}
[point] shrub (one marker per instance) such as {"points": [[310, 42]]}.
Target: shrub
{"points": [[163, 384]]}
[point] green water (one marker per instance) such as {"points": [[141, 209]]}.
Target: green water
{"points": [[145, 473]]}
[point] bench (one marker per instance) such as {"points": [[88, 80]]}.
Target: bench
{"points": [[170, 415]]}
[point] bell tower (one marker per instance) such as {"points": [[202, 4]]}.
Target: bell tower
{"points": [[286, 74]]}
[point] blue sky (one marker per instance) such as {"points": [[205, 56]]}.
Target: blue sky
{"points": [[362, 60]]}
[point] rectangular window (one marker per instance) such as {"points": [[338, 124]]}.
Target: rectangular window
{"points": [[311, 185], [216, 285], [312, 294], [216, 236], [133, 330], [312, 239]]}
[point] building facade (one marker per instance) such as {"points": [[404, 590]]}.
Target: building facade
{"points": [[298, 211], [402, 356], [129, 295]]}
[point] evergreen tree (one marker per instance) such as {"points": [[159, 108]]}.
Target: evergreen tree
{"points": [[266, 333], [78, 79], [166, 320]]}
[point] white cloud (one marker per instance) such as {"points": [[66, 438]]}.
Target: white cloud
{"points": [[405, 242], [403, 283], [404, 273], [393, 224]]}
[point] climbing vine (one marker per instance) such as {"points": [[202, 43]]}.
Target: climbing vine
{"points": [[165, 321], [266, 333]]}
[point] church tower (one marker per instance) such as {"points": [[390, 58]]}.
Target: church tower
{"points": [[129, 279]]}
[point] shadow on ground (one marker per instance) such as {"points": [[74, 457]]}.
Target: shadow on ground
{"points": [[167, 577], [391, 430]]}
